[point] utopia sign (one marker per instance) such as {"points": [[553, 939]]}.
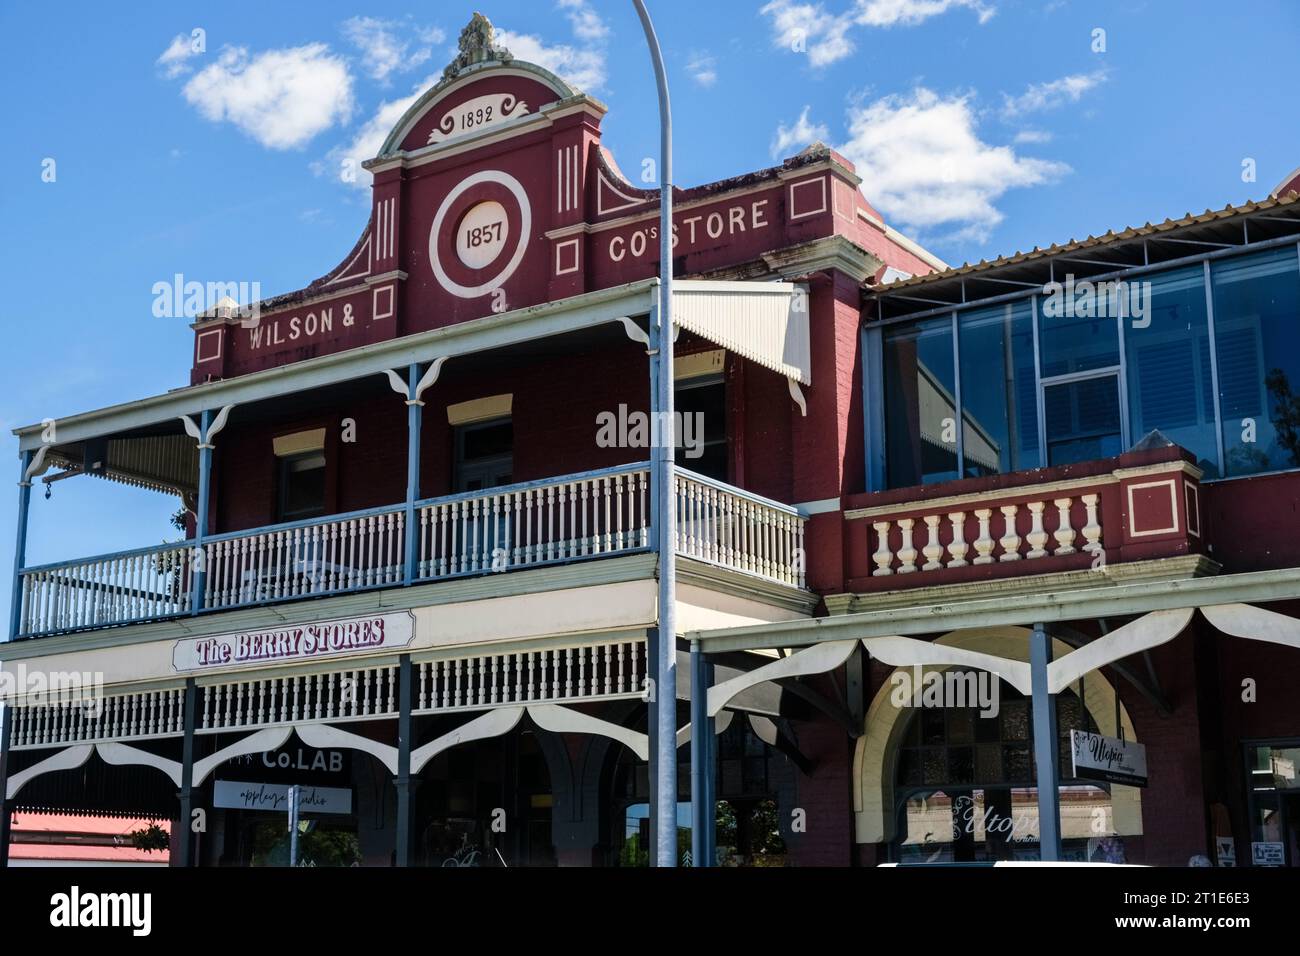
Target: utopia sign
{"points": [[295, 642]]}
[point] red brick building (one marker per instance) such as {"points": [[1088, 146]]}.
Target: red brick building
{"points": [[417, 578]]}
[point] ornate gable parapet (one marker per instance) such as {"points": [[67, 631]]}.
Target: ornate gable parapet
{"points": [[477, 45]]}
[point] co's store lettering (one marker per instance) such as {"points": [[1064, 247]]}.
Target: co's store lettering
{"points": [[692, 229]]}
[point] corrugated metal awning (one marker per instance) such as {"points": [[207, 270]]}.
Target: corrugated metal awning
{"points": [[163, 463], [766, 322]]}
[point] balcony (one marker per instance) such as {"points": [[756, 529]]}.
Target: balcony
{"points": [[566, 519], [1115, 516]]}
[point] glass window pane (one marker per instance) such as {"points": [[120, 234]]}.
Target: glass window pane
{"points": [[999, 410], [1167, 354], [1071, 337], [1257, 340], [1083, 420], [920, 404]]}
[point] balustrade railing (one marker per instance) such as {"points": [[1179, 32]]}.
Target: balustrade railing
{"points": [[594, 514]]}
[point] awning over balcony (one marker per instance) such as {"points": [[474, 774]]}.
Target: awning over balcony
{"points": [[766, 322], [163, 463]]}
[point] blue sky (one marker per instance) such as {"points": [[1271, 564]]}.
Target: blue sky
{"points": [[979, 126]]}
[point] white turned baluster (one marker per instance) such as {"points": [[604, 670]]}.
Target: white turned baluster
{"points": [[1010, 541], [984, 543], [958, 547], [1064, 532], [1092, 529], [907, 553], [883, 556], [1037, 536], [933, 551]]}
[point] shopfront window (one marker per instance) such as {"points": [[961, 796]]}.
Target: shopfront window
{"points": [[1274, 803], [966, 787], [1257, 340]]}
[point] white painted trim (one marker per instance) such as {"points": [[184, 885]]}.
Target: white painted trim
{"points": [[1173, 508], [516, 189], [793, 216], [820, 507], [1150, 630], [65, 759], [903, 651], [764, 728], [271, 739], [494, 723], [325, 736], [1254, 623], [721, 723], [120, 754], [817, 659], [561, 720], [577, 257]]}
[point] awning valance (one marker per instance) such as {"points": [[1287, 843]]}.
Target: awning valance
{"points": [[766, 322]]}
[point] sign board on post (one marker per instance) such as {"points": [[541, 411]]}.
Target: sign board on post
{"points": [[234, 794], [1108, 759]]}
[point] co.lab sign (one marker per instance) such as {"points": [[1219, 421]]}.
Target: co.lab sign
{"points": [[326, 761]]}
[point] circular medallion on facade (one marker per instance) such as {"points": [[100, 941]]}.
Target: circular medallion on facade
{"points": [[481, 235], [491, 219]]}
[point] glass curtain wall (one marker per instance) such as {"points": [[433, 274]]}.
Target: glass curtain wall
{"points": [[1090, 385]]}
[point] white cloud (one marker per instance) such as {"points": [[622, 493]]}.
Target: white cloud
{"points": [[584, 68], [808, 27], [388, 46], [801, 134], [587, 24], [1048, 96], [888, 13], [703, 69], [1033, 136], [281, 98], [824, 36], [924, 165], [174, 59]]}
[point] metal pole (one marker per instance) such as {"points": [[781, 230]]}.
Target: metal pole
{"points": [[414, 406], [405, 694], [293, 825], [185, 841], [1045, 746], [699, 756], [20, 549], [662, 472], [201, 517], [6, 808]]}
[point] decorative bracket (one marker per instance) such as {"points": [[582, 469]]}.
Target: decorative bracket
{"points": [[401, 387], [195, 432], [797, 394]]}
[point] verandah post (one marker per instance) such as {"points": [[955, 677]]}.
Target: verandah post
{"points": [[1045, 746], [199, 556], [405, 695], [414, 408], [6, 809], [20, 549], [702, 762], [185, 839]]}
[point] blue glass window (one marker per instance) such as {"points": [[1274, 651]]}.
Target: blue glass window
{"points": [[1167, 360], [1257, 340], [920, 404], [999, 404]]}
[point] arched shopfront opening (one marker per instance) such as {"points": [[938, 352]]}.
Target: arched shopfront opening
{"points": [[875, 762], [965, 791]]}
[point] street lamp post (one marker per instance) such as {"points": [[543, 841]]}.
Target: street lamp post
{"points": [[661, 461]]}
